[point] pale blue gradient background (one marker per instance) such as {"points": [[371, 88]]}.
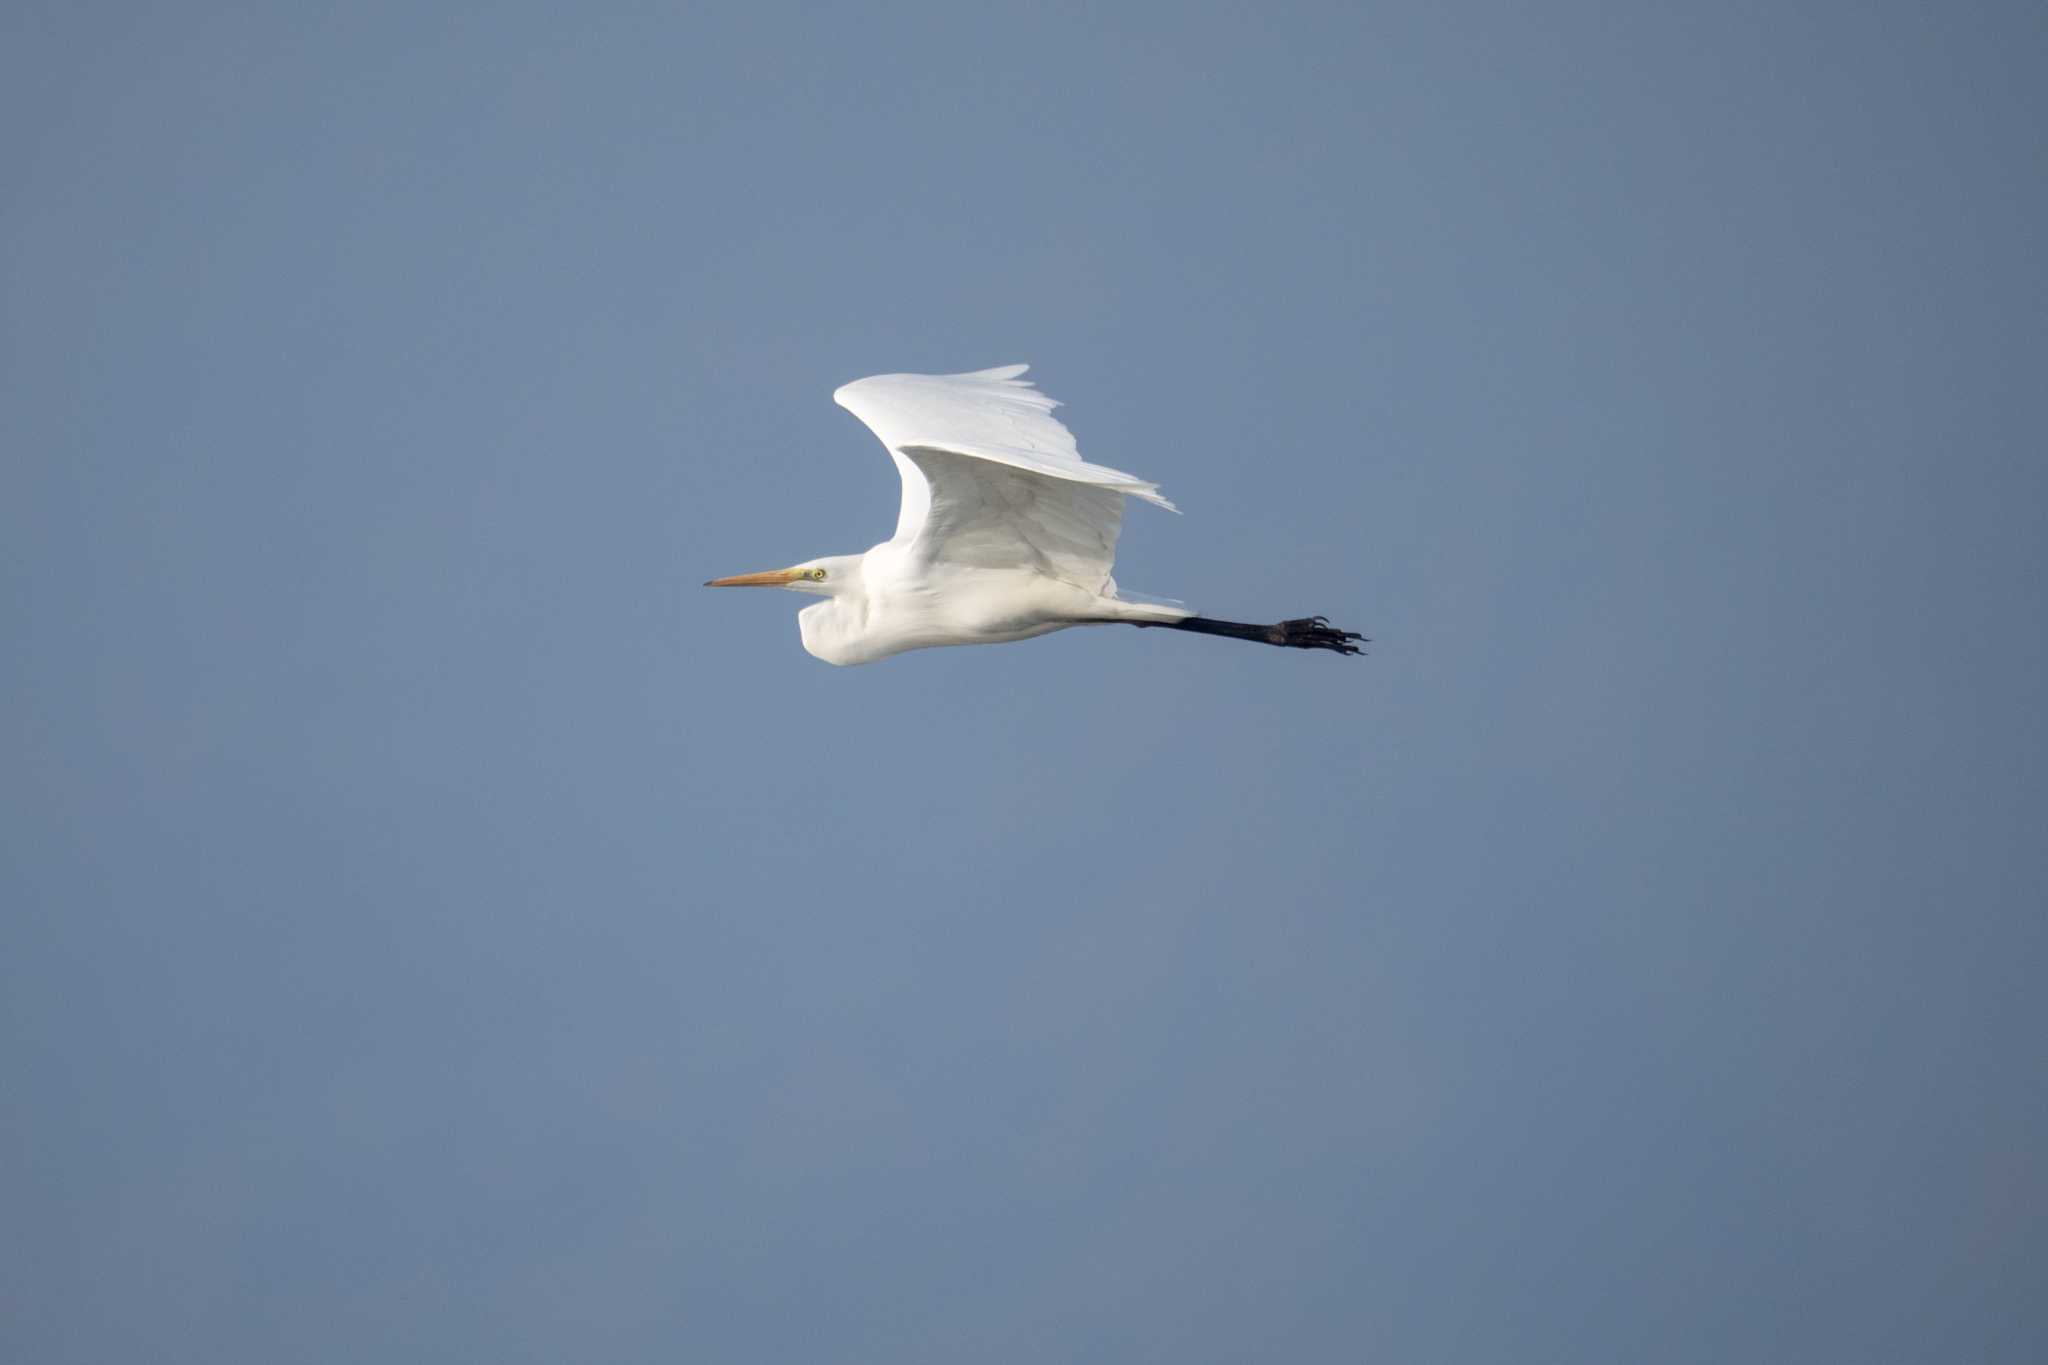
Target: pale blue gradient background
{"points": [[435, 929]]}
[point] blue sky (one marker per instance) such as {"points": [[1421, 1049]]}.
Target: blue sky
{"points": [[437, 929]]}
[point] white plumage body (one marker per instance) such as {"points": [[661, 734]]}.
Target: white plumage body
{"points": [[1005, 531], [911, 606]]}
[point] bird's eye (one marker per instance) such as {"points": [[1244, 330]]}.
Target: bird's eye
{"points": [[817, 575]]}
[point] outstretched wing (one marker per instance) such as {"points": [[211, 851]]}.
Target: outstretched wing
{"points": [[991, 477]]}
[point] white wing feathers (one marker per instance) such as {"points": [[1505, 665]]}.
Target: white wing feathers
{"points": [[989, 414], [991, 477]]}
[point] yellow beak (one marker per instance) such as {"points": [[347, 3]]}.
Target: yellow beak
{"points": [[774, 578]]}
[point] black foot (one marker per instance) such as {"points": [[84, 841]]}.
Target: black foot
{"points": [[1309, 632], [1315, 632]]}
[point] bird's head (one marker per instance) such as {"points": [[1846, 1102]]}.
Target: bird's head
{"points": [[828, 577]]}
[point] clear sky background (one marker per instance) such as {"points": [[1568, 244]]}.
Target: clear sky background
{"points": [[436, 929]]}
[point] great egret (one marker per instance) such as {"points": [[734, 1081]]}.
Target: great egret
{"points": [[1005, 533]]}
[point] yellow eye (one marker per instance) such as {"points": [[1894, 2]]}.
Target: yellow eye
{"points": [[817, 575]]}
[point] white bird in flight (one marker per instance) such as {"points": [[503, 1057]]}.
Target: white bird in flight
{"points": [[1005, 533]]}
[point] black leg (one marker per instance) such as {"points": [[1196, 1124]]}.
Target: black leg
{"points": [[1306, 632]]}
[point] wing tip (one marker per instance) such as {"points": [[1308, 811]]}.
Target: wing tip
{"points": [[1007, 375]]}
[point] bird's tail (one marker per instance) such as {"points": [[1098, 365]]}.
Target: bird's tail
{"points": [[1138, 606], [1138, 613]]}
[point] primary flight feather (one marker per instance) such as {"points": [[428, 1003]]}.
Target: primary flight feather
{"points": [[1005, 531]]}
